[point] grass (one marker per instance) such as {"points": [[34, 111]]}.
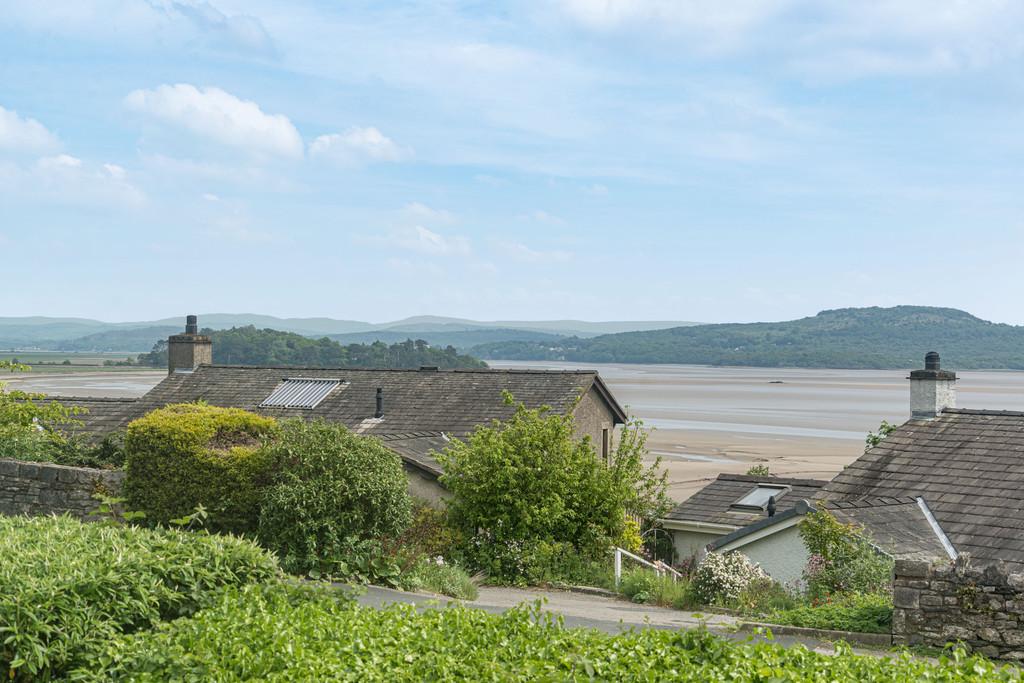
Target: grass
{"points": [[443, 579], [645, 586]]}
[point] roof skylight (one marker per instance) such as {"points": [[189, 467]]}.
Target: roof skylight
{"points": [[300, 392], [757, 499]]}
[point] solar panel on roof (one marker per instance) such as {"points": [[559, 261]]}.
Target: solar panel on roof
{"points": [[299, 392]]}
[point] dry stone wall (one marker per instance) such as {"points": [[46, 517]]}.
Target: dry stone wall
{"points": [[982, 607], [42, 488]]}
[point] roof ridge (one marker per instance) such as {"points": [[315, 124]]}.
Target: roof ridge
{"points": [[770, 479], [982, 411], [868, 502], [101, 399]]}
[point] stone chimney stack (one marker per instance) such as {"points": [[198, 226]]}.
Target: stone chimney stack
{"points": [[932, 390], [186, 352]]}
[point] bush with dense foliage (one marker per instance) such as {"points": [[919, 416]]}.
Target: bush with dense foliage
{"points": [[720, 579], [529, 482], [186, 455], [258, 633], [67, 588], [333, 493], [842, 559], [860, 613]]}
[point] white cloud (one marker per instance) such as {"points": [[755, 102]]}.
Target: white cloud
{"points": [[24, 134], [64, 179], [422, 212], [521, 252], [826, 37], [358, 145], [219, 115], [544, 217], [159, 24], [713, 24], [418, 238]]}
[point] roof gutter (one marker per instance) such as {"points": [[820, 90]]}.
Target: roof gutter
{"points": [[700, 527]]}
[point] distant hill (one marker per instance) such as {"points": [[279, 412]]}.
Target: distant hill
{"points": [[136, 339], [459, 338], [251, 346], [875, 337], [78, 334]]}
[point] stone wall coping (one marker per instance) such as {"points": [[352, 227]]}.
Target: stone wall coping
{"points": [[86, 470]]}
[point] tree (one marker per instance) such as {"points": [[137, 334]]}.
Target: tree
{"points": [[531, 482]]}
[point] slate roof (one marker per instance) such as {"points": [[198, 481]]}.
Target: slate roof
{"points": [[967, 464], [899, 527], [100, 416], [422, 408], [711, 504]]}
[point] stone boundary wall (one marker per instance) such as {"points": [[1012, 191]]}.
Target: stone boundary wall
{"points": [[42, 488], [982, 607]]}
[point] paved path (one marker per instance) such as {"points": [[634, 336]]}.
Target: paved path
{"points": [[611, 615]]}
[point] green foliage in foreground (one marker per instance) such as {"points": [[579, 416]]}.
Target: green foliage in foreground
{"points": [[250, 346], [280, 634], [859, 613], [67, 588]]}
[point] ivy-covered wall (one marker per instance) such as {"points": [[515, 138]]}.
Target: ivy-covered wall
{"points": [[42, 489], [982, 607]]}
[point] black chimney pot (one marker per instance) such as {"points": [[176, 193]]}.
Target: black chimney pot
{"points": [[380, 403], [771, 506], [191, 324], [931, 361]]}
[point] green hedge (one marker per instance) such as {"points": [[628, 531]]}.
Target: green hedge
{"points": [[256, 633], [68, 588], [186, 455], [332, 491]]}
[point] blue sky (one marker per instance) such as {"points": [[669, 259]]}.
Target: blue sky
{"points": [[596, 159]]}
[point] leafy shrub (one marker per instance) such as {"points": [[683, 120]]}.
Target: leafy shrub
{"points": [[646, 586], [67, 588], [721, 579], [332, 490], [530, 481], [429, 533], [261, 633], [859, 613], [842, 559], [186, 455], [434, 575], [765, 595], [51, 447]]}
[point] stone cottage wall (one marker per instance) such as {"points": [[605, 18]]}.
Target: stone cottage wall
{"points": [[980, 606], [43, 489]]}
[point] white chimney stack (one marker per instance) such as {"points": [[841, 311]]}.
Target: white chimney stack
{"points": [[932, 390]]}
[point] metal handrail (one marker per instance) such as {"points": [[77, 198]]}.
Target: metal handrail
{"points": [[658, 566]]}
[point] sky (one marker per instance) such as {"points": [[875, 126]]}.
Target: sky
{"points": [[511, 159]]}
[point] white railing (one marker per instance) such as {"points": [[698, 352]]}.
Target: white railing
{"points": [[660, 567]]}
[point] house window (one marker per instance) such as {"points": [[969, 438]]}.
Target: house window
{"points": [[300, 392], [606, 444], [757, 499]]}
